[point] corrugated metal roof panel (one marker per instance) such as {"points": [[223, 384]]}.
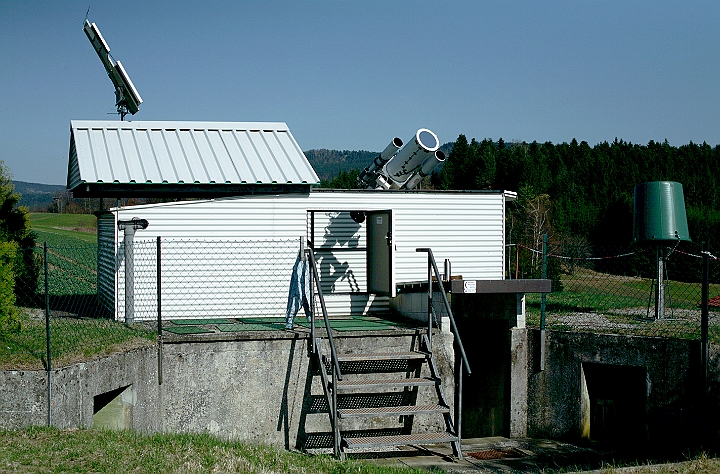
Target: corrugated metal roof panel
{"points": [[226, 155]]}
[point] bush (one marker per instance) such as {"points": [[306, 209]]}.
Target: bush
{"points": [[28, 264], [9, 317]]}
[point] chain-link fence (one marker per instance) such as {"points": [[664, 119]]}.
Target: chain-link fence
{"points": [[81, 289], [59, 319], [70, 302], [206, 279], [652, 291]]}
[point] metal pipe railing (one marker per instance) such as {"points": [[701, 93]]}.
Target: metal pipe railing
{"points": [[316, 278], [453, 326], [432, 265]]}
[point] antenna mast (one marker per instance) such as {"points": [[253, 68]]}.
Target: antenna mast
{"points": [[127, 99]]}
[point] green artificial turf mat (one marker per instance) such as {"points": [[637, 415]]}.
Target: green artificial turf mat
{"points": [[350, 325], [186, 330], [375, 319], [242, 327], [262, 320], [195, 322]]}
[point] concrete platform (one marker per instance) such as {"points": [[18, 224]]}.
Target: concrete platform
{"points": [[493, 455]]}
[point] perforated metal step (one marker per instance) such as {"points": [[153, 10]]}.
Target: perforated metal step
{"points": [[412, 355], [398, 440], [377, 384], [392, 411]]}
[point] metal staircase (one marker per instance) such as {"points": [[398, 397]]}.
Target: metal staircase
{"points": [[367, 390]]}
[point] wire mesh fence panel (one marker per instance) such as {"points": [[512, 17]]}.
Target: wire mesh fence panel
{"points": [[609, 290], [79, 327], [650, 291], [209, 279]]}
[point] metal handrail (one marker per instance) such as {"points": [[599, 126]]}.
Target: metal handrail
{"points": [[432, 265], [316, 278]]}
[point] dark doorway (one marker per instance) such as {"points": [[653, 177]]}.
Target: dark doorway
{"points": [[486, 392], [618, 395]]}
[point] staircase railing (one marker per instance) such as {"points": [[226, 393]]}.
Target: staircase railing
{"points": [[432, 267], [335, 365]]}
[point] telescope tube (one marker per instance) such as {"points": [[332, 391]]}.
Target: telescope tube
{"points": [[426, 168], [412, 156], [368, 175]]}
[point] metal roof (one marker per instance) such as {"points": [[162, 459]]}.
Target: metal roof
{"points": [[116, 159]]}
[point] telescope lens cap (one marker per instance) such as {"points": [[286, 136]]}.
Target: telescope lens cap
{"points": [[427, 139]]}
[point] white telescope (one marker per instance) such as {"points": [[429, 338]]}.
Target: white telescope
{"points": [[426, 168], [412, 156], [368, 176]]}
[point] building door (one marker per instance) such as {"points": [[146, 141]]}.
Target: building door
{"points": [[380, 253]]}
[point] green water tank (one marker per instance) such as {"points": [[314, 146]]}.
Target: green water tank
{"points": [[660, 213]]}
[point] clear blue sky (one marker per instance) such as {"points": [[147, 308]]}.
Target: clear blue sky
{"points": [[354, 74]]}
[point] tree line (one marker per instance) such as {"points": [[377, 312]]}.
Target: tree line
{"points": [[576, 191], [580, 196], [587, 192]]}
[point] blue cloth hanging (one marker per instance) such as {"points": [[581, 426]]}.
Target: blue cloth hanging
{"points": [[299, 294]]}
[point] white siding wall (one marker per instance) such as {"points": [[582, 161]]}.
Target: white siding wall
{"points": [[107, 248], [467, 228]]}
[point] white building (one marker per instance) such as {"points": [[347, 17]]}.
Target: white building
{"points": [[360, 264], [232, 255]]}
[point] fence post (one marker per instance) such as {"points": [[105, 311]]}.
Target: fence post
{"points": [[129, 228], [542, 304], [159, 310], [704, 338], [47, 333]]}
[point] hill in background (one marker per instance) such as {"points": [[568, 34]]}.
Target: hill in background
{"points": [[329, 163], [37, 197]]}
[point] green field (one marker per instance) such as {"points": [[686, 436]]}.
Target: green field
{"points": [[64, 229]]}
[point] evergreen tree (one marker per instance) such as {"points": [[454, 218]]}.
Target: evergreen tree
{"points": [[16, 245], [485, 156], [344, 180], [456, 168]]}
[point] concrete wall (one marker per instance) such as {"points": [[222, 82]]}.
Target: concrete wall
{"points": [[265, 389], [648, 387], [73, 388], [249, 388]]}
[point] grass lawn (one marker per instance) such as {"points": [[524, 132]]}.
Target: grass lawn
{"points": [[72, 340], [53, 450], [88, 450]]}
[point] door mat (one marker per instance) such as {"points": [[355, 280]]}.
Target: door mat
{"points": [[496, 454], [186, 330], [196, 322]]}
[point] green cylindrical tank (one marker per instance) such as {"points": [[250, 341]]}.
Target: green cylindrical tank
{"points": [[660, 213]]}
